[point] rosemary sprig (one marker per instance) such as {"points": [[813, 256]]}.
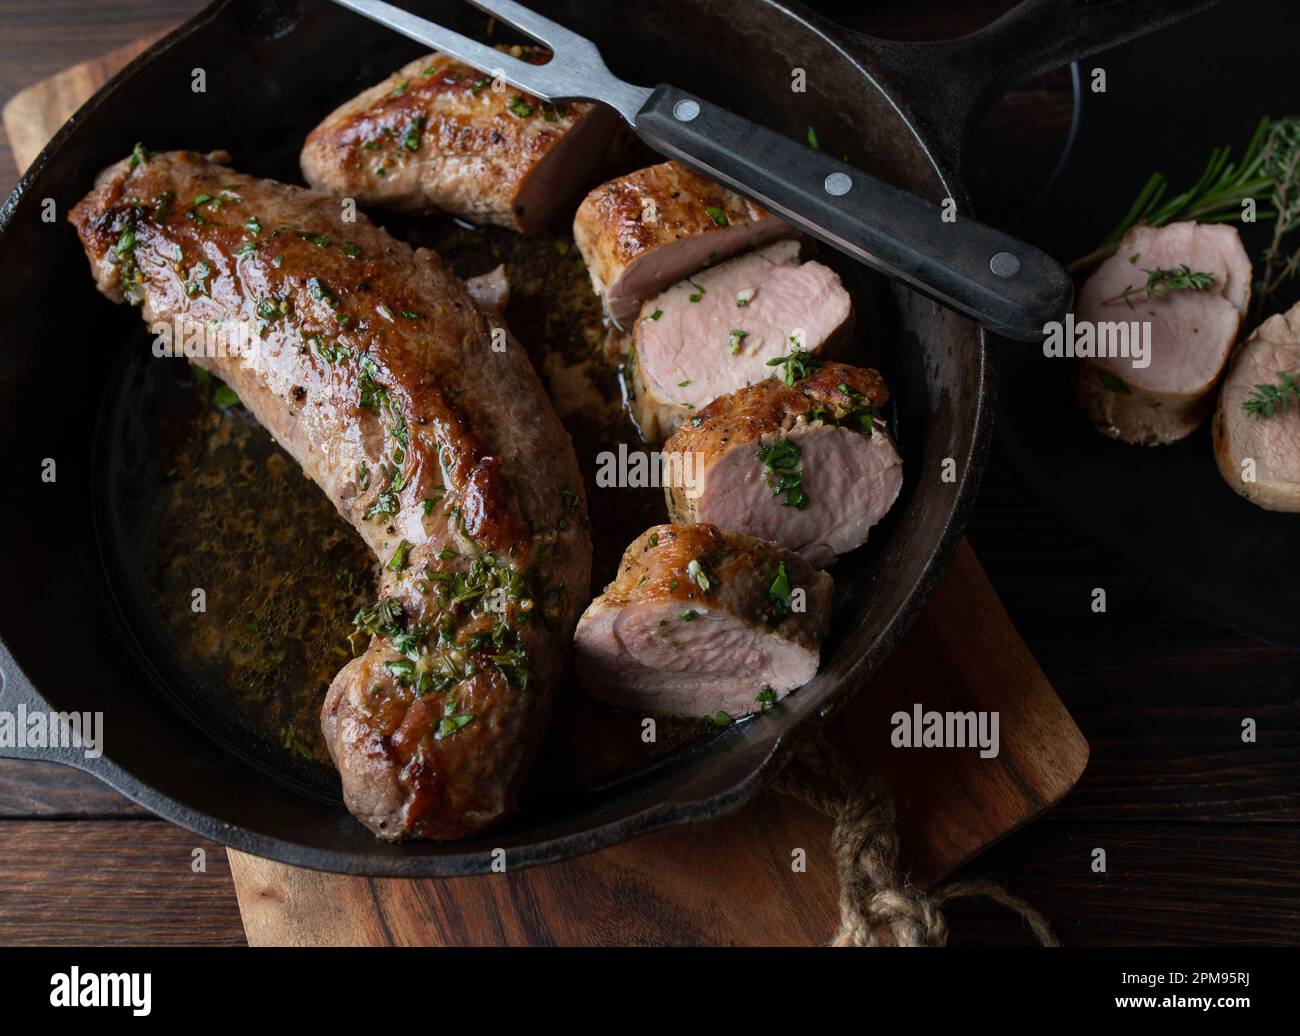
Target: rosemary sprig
{"points": [[1269, 399], [1215, 197], [1161, 281], [1281, 163]]}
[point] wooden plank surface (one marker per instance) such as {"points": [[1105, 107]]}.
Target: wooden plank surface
{"points": [[113, 883]]}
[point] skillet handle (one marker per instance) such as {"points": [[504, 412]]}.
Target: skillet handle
{"points": [[947, 85], [1008, 286]]}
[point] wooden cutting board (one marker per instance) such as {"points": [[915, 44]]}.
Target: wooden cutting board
{"points": [[730, 881]]}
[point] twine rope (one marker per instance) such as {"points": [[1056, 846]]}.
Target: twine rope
{"points": [[878, 906]]}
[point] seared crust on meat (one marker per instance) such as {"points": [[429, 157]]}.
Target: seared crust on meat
{"points": [[657, 566], [628, 218], [769, 408], [699, 622], [436, 134], [369, 362]]}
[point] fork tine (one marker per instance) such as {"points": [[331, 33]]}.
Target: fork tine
{"points": [[555, 36], [480, 55]]}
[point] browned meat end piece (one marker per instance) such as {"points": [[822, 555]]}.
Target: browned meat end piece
{"points": [[370, 364], [648, 229], [808, 465], [438, 135], [699, 621], [1259, 454], [1192, 331], [719, 330]]}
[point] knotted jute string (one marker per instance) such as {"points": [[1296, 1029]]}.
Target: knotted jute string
{"points": [[877, 906]]}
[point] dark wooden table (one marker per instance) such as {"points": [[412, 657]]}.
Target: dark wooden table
{"points": [[1201, 832]]}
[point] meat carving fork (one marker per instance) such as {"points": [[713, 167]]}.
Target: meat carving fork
{"points": [[1006, 285]]}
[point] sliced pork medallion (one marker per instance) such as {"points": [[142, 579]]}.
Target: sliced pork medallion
{"points": [[437, 135], [700, 622], [370, 364], [1191, 284], [644, 231], [720, 330], [807, 465], [1257, 424]]}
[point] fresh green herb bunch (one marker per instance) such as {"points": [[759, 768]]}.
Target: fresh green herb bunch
{"points": [[1215, 197]]}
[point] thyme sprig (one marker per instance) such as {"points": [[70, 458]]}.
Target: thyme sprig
{"points": [[1161, 281], [1281, 163], [1267, 400]]}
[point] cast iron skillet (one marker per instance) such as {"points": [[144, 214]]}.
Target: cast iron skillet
{"points": [[273, 70]]}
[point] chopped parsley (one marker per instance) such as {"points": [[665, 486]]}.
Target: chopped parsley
{"points": [[399, 561], [414, 131], [717, 215], [780, 460], [140, 154], [779, 594]]}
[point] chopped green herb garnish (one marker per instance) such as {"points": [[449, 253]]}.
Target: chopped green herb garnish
{"points": [[414, 131], [699, 575], [385, 505], [398, 561], [717, 215], [779, 594], [140, 154], [798, 365], [780, 460], [453, 724], [520, 107], [1113, 384]]}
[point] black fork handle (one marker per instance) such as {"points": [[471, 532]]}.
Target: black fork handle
{"points": [[1005, 284]]}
